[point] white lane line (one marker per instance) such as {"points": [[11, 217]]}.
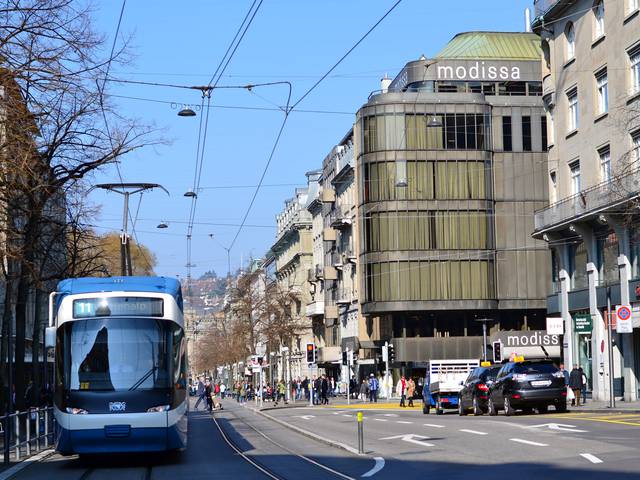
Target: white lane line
{"points": [[433, 425], [405, 422], [529, 442], [376, 468], [475, 432], [591, 458], [345, 415], [338, 412], [380, 419]]}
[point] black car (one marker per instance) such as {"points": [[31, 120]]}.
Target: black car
{"points": [[527, 385], [474, 395]]}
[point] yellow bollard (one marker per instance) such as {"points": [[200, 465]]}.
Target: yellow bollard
{"points": [[360, 417]]}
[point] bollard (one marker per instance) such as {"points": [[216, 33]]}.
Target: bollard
{"points": [[360, 434]]}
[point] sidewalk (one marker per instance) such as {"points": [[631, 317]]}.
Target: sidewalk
{"points": [[593, 406]]}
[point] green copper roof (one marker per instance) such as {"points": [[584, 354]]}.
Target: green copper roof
{"points": [[493, 46]]}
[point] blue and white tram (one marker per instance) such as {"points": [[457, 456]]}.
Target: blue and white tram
{"points": [[120, 348]]}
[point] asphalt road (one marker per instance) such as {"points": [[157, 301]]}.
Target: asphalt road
{"points": [[241, 444], [522, 446]]}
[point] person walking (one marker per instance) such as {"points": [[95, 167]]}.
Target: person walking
{"points": [[401, 390], [411, 390], [223, 389], [207, 393], [281, 390], [373, 388], [584, 386], [324, 390], [200, 392], [304, 385], [364, 390], [353, 387], [575, 384]]}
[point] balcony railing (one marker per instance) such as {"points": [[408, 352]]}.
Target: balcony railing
{"points": [[338, 218], [592, 200], [540, 7]]}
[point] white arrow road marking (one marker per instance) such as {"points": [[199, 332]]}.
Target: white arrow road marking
{"points": [[410, 438], [559, 426], [380, 420], [433, 425], [591, 458], [405, 422], [305, 417], [475, 432], [529, 442], [376, 468]]}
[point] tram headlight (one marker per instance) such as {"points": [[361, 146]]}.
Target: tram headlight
{"points": [[76, 411], [159, 408]]}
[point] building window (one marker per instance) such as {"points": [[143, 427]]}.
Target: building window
{"points": [[543, 132], [635, 146], [570, 36], [605, 163], [602, 85], [553, 194], [634, 61], [573, 117], [552, 128], [574, 168], [632, 6], [507, 143], [598, 16], [526, 133]]}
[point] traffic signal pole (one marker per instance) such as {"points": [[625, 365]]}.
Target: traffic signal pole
{"points": [[386, 369]]}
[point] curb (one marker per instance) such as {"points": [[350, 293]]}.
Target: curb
{"points": [[302, 431], [264, 409], [10, 472]]}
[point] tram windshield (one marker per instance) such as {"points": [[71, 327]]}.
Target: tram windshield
{"points": [[116, 354]]}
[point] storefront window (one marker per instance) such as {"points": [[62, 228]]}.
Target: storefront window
{"points": [[608, 258], [579, 266]]}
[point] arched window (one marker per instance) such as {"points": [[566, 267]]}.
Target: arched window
{"points": [[598, 14], [570, 35]]}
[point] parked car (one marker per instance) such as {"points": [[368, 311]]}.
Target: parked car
{"points": [[527, 385], [474, 395]]}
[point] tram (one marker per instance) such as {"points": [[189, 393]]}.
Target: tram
{"points": [[120, 365]]}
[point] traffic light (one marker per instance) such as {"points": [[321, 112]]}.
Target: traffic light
{"points": [[497, 352], [345, 360], [260, 360], [311, 353], [391, 353]]}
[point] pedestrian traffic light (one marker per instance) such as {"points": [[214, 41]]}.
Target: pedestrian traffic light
{"points": [[391, 353], [311, 353], [497, 352], [345, 359]]}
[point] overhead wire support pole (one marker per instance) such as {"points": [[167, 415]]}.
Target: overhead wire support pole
{"points": [[126, 190]]}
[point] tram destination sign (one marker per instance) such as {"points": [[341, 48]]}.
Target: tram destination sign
{"points": [[118, 307]]}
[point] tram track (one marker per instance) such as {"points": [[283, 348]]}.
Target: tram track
{"points": [[263, 468]]}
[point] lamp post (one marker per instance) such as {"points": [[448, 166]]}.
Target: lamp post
{"points": [[484, 336], [126, 190]]}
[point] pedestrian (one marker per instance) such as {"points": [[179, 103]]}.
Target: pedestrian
{"points": [[200, 392], [364, 390], [208, 392], [324, 390], [575, 384], [565, 374], [411, 390], [304, 385], [353, 387], [316, 390], [373, 388], [401, 390], [223, 389], [281, 389], [584, 386], [216, 389]]}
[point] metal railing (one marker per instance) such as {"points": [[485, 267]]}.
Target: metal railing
{"points": [[540, 7], [31, 431], [594, 199]]}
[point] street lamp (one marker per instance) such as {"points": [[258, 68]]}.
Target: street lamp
{"points": [[185, 111], [190, 193], [162, 225]]}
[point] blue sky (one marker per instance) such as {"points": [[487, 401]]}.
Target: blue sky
{"points": [[294, 40]]}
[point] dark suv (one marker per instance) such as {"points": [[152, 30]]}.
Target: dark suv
{"points": [[475, 392], [527, 385]]}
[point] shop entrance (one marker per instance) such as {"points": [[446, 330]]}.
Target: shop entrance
{"points": [[583, 357]]}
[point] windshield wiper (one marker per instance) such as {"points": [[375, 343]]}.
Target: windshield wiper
{"points": [[143, 378]]}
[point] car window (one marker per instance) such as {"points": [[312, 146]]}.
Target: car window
{"points": [[535, 368], [490, 374]]}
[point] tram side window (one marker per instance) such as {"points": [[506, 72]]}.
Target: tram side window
{"points": [[179, 360]]}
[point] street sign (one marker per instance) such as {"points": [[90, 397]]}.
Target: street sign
{"points": [[555, 326], [623, 318], [582, 323]]}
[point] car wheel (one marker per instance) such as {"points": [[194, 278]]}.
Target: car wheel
{"points": [[561, 407], [461, 410], [542, 409], [476, 407], [508, 409], [493, 411]]}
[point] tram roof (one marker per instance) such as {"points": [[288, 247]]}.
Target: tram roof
{"points": [[74, 286]]}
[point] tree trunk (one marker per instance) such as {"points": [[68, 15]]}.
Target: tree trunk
{"points": [[22, 296], [36, 366], [7, 319]]}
